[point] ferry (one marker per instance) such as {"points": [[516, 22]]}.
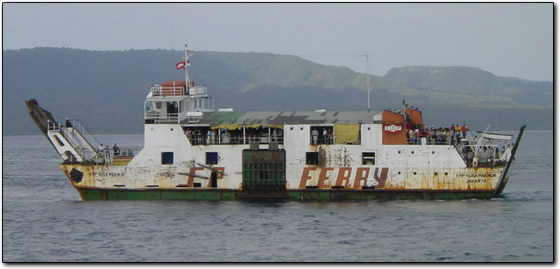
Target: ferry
{"points": [[193, 152]]}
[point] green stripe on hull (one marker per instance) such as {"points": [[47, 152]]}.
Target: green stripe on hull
{"points": [[126, 194], [296, 195], [387, 195]]}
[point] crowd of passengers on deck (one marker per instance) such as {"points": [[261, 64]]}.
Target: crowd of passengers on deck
{"points": [[208, 136], [436, 136]]}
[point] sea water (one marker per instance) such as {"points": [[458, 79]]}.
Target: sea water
{"points": [[44, 220]]}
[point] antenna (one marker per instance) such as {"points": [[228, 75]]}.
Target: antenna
{"points": [[367, 73]]}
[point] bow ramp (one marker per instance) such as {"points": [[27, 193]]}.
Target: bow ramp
{"points": [[68, 139]]}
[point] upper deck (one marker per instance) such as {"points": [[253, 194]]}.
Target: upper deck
{"points": [[264, 118]]}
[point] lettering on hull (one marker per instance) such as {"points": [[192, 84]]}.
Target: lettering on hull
{"points": [[106, 174], [342, 177]]}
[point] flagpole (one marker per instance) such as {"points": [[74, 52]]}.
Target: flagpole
{"points": [[367, 71], [187, 79]]}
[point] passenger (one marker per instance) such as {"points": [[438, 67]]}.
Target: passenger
{"points": [[198, 137], [451, 135], [226, 137], [470, 155], [315, 136], [458, 132], [209, 137], [411, 136], [439, 136], [330, 136], [116, 150], [100, 148], [324, 138], [464, 130], [433, 134], [274, 135], [107, 152]]}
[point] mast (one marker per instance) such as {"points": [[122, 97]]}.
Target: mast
{"points": [[367, 72], [186, 57]]}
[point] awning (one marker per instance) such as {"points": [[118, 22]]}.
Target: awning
{"points": [[239, 126], [346, 133]]}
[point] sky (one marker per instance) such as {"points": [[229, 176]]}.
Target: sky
{"points": [[506, 39]]}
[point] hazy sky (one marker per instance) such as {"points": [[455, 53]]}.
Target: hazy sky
{"points": [[510, 39]]}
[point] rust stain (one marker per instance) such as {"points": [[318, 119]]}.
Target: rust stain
{"points": [[343, 176], [323, 177], [305, 176], [381, 178], [192, 171], [220, 171], [360, 177], [322, 157]]}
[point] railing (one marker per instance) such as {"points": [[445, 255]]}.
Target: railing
{"points": [[322, 140], [53, 126], [488, 156], [198, 90], [429, 141], [179, 91], [74, 133], [108, 155], [156, 117], [168, 91], [229, 139]]}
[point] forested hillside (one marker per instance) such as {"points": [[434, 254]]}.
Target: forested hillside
{"points": [[106, 89]]}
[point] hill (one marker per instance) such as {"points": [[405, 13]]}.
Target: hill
{"points": [[475, 86], [106, 89]]}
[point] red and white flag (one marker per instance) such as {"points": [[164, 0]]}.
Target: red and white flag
{"points": [[180, 65]]}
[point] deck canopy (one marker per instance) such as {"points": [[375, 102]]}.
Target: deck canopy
{"points": [[236, 120]]}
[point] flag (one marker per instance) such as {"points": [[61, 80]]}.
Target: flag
{"points": [[180, 65]]}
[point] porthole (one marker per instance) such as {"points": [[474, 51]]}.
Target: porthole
{"points": [[412, 152], [446, 173], [172, 129], [399, 152], [291, 128], [399, 172], [433, 152], [414, 173], [369, 128], [435, 173]]}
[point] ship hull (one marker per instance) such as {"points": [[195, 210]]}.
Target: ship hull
{"points": [[290, 195], [100, 182]]}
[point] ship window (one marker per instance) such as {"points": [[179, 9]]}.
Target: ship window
{"points": [[312, 158], [368, 158], [211, 158], [158, 105], [167, 158]]}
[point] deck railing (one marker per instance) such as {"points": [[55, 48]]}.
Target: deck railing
{"points": [[157, 117], [229, 139], [178, 91]]}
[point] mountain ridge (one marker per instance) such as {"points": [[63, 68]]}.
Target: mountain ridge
{"points": [[106, 89]]}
